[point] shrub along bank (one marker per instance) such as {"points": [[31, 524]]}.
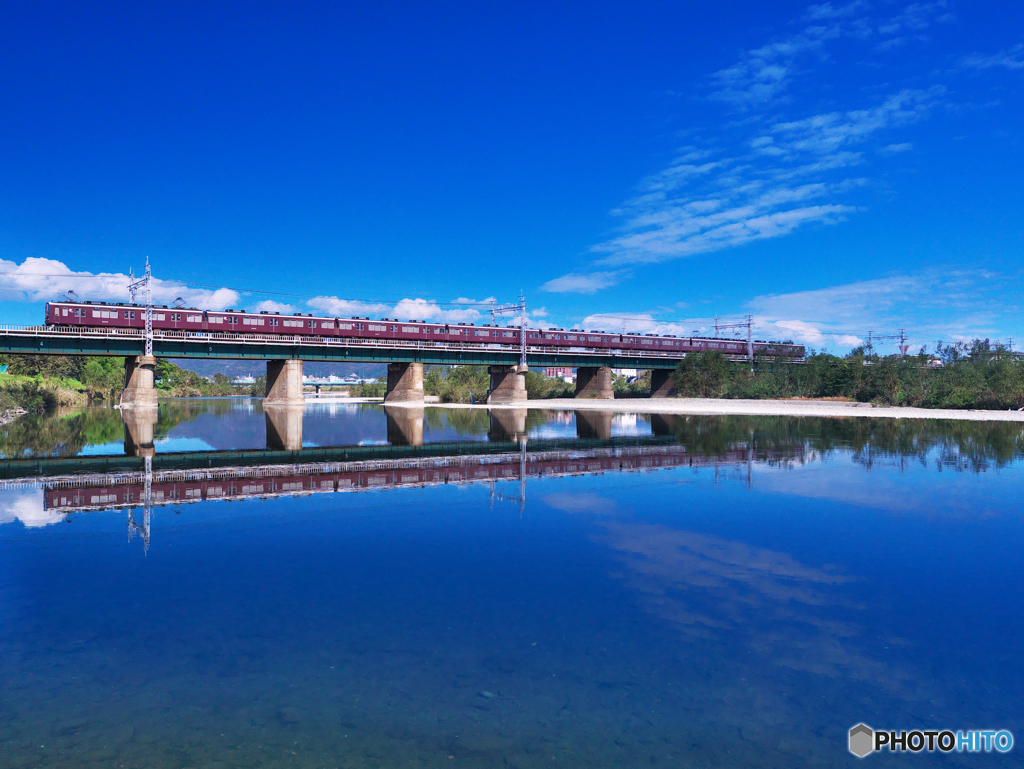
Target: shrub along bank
{"points": [[974, 375]]}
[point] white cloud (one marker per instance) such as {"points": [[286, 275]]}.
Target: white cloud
{"points": [[344, 308], [39, 280], [28, 507], [932, 305], [269, 305], [634, 323], [892, 149], [424, 309], [583, 283]]}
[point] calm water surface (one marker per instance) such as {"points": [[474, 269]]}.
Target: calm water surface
{"points": [[691, 591]]}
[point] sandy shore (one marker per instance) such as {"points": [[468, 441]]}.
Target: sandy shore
{"points": [[758, 408], [793, 408]]}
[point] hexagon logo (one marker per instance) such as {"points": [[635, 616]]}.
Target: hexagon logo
{"points": [[862, 739]]}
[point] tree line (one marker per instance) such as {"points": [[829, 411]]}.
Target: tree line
{"points": [[961, 375]]}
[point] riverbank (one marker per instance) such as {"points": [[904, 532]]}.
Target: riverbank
{"points": [[793, 408]]}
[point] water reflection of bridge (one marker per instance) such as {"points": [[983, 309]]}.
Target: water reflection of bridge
{"points": [[147, 488]]}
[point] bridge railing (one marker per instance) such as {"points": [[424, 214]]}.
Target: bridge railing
{"points": [[222, 337]]}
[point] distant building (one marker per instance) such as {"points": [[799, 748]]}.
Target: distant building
{"points": [[568, 373], [626, 372]]}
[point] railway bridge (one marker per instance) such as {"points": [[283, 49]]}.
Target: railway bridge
{"points": [[285, 355]]}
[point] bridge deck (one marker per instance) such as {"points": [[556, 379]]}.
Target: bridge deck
{"points": [[42, 340]]}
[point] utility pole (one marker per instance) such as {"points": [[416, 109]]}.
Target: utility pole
{"points": [[870, 348], [750, 339], [145, 285], [522, 328], [716, 327], [903, 343], [508, 309]]}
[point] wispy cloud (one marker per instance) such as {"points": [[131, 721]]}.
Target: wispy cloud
{"points": [[892, 149], [830, 11], [1011, 58], [583, 283], [782, 183], [770, 173]]}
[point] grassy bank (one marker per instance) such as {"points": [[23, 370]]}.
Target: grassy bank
{"points": [[36, 382]]}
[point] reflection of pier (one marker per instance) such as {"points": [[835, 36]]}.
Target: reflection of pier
{"points": [[405, 425], [284, 426]]}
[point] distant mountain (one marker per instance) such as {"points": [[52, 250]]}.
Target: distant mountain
{"points": [[233, 368]]}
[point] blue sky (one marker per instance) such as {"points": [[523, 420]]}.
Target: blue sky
{"points": [[831, 168]]}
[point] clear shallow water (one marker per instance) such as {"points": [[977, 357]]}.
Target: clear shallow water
{"points": [[799, 577]]}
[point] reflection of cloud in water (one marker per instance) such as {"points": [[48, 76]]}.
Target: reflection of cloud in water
{"points": [[183, 444], [580, 503], [732, 592], [914, 489], [27, 507]]}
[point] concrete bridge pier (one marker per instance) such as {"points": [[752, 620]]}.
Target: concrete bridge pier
{"points": [[405, 384], [284, 426], [139, 387], [661, 383], [594, 424], [284, 383], [507, 426], [405, 425], [138, 431], [594, 382], [508, 384]]}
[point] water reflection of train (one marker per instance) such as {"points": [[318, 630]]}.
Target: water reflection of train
{"points": [[120, 316], [118, 490]]}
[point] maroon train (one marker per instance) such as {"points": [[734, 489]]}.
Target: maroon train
{"points": [[102, 315]]}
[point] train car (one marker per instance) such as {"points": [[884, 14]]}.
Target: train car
{"points": [[187, 319]]}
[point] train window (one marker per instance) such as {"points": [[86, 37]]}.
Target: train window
{"points": [[410, 329], [312, 324], [509, 333], [327, 324], [455, 332], [359, 326], [479, 332], [534, 336], [393, 328], [377, 327], [194, 318], [293, 323], [646, 341], [345, 326], [438, 330], [274, 322], [593, 339], [570, 337], [176, 316], [233, 321]]}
